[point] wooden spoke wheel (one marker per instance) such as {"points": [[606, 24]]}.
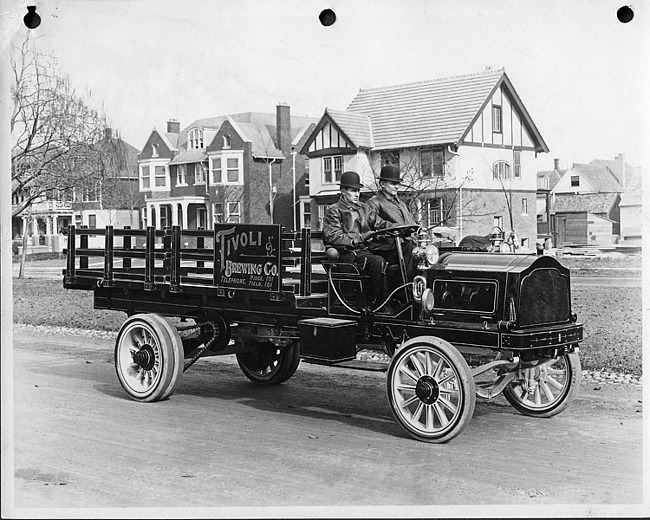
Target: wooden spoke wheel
{"points": [[148, 357], [269, 364], [430, 389], [547, 389]]}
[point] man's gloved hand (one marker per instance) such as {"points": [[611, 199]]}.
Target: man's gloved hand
{"points": [[366, 236]]}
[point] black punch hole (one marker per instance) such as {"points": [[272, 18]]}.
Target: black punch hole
{"points": [[32, 20], [625, 14], [327, 17]]}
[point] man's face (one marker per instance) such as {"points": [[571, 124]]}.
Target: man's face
{"points": [[351, 195], [390, 187]]}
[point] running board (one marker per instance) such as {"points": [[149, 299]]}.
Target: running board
{"points": [[355, 364]]}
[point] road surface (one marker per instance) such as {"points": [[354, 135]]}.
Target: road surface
{"points": [[325, 438]]}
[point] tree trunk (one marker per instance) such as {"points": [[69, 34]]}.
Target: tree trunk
{"points": [[23, 256]]}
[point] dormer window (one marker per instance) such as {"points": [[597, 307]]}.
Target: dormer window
{"points": [[154, 150], [575, 180], [195, 139], [226, 142]]}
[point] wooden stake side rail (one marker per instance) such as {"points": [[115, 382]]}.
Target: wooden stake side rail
{"points": [[175, 260]]}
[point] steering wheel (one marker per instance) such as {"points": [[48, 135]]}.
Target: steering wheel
{"points": [[395, 231]]}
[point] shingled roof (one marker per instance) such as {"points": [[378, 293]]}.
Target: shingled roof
{"points": [[600, 174], [596, 203], [357, 127], [439, 111]]}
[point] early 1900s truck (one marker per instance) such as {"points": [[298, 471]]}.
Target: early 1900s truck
{"points": [[469, 324]]}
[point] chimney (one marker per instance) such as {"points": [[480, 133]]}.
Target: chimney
{"points": [[283, 126], [556, 166], [620, 169], [173, 126], [108, 133]]}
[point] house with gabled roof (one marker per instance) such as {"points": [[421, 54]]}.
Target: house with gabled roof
{"points": [[232, 168], [593, 189], [464, 146]]}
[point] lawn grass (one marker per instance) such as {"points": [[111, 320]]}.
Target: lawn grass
{"points": [[611, 316]]}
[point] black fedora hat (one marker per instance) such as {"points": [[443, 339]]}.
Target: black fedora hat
{"points": [[390, 173], [351, 179]]}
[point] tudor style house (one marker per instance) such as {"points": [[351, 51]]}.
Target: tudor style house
{"points": [[464, 146], [233, 168]]}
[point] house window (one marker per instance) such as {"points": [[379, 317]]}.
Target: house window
{"points": [[144, 218], [195, 138], [432, 162], [226, 142], [501, 170], [217, 212], [232, 164], [154, 150], [181, 175], [145, 176], [201, 218], [165, 216], [575, 180], [524, 206], [216, 171], [233, 170], [92, 221], [321, 216], [234, 212], [199, 174], [433, 211], [307, 173], [306, 214], [516, 159], [160, 179], [332, 169], [390, 157], [496, 119]]}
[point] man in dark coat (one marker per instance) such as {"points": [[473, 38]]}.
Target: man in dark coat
{"points": [[391, 209], [347, 225]]}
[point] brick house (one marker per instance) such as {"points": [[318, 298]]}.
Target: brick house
{"points": [[232, 168], [464, 145]]}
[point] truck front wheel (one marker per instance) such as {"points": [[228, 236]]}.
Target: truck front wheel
{"points": [[430, 389], [547, 389]]}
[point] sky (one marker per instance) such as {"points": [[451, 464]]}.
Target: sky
{"points": [[581, 74]]}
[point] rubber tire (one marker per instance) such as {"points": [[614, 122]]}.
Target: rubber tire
{"points": [[466, 389], [171, 357], [288, 361], [567, 396]]}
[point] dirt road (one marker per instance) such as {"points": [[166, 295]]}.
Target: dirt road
{"points": [[325, 438]]}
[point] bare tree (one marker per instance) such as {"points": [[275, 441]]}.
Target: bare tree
{"points": [[54, 130]]}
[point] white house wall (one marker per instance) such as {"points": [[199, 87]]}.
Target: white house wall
{"points": [[564, 184], [513, 131], [474, 168], [357, 162]]}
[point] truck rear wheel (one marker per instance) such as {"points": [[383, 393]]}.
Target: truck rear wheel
{"points": [[148, 357], [430, 389], [270, 365], [547, 389]]}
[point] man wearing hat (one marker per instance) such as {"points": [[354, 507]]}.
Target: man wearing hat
{"points": [[392, 210], [347, 225]]}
